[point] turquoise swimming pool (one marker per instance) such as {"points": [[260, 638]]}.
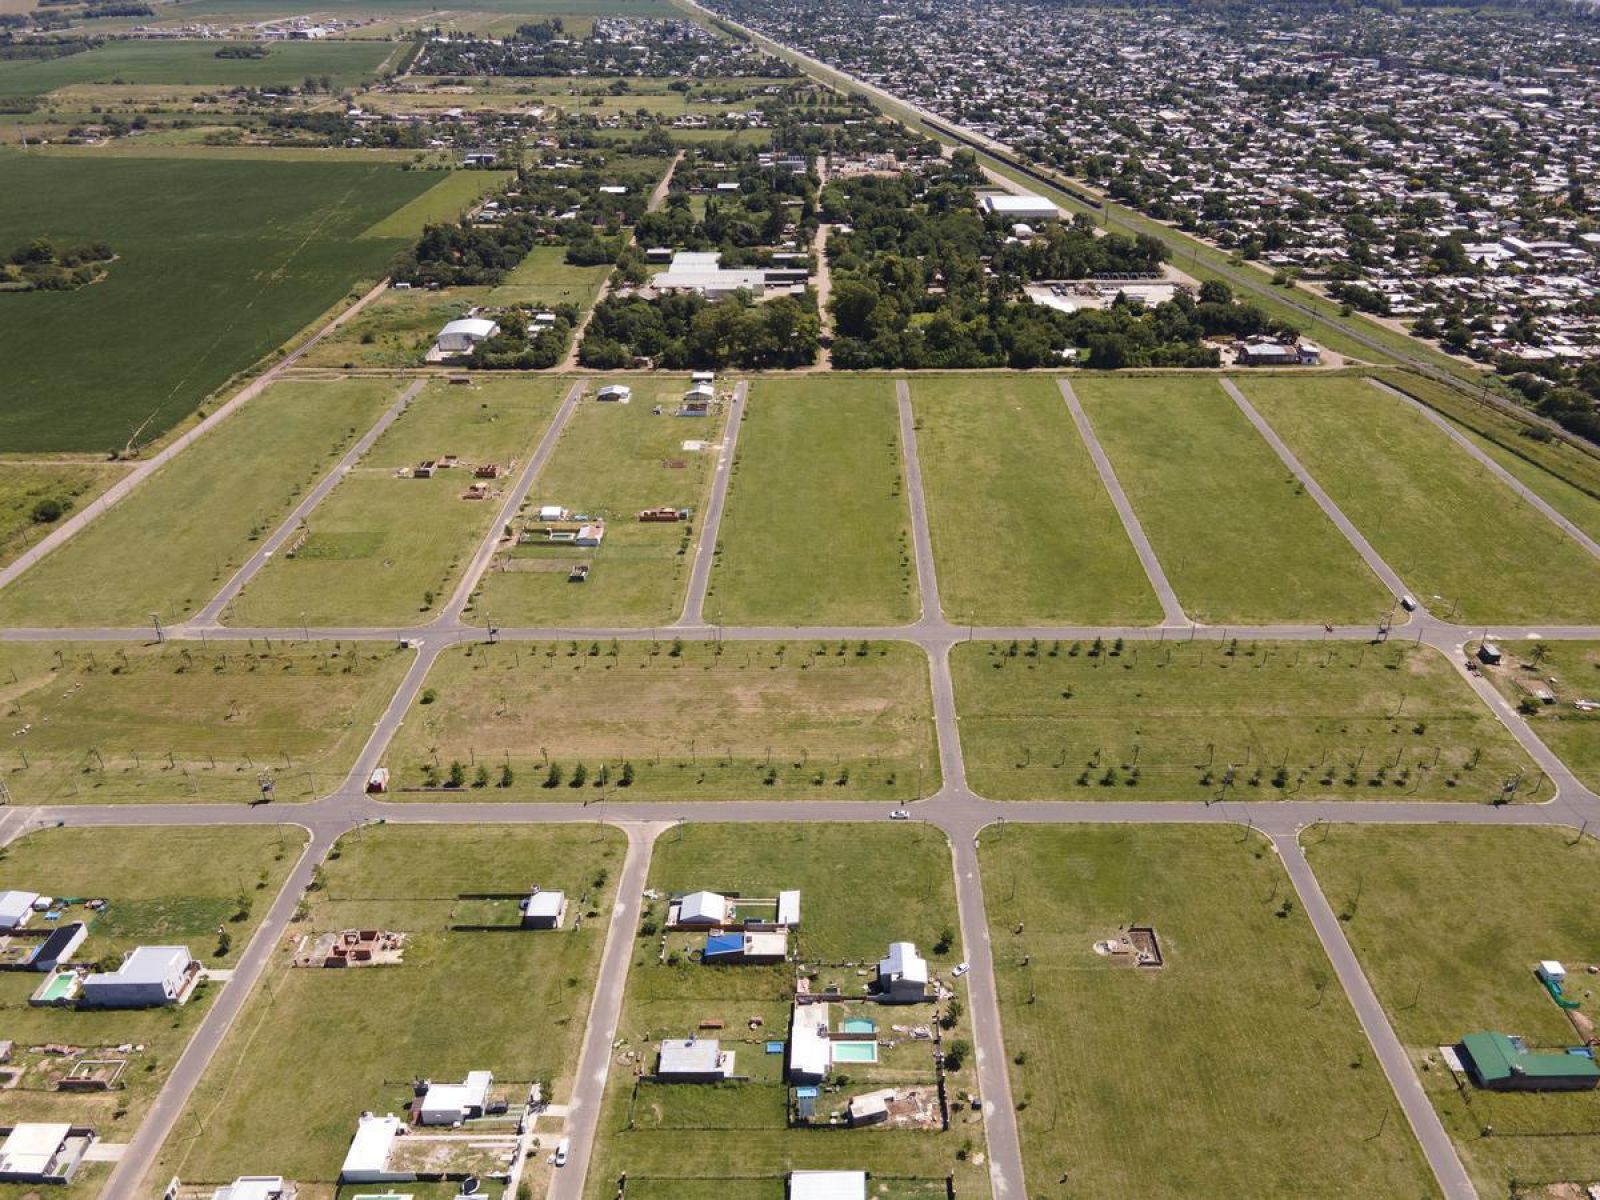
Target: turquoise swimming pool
{"points": [[855, 1052], [859, 1025]]}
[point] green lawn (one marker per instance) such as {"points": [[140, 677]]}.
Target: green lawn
{"points": [[613, 461], [211, 877], [1022, 529], [177, 62], [817, 531], [395, 330], [1237, 535], [675, 1143], [1462, 540], [446, 200], [544, 278], [780, 721], [101, 723], [173, 543], [26, 485], [1170, 721], [1450, 948], [220, 261], [1569, 671], [514, 1004], [1580, 507], [384, 547], [1236, 1069]]}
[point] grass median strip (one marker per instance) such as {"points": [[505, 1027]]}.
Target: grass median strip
{"points": [[1235, 1068], [1208, 720], [670, 720]]}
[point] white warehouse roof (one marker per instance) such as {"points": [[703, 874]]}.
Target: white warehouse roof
{"points": [[477, 328], [1027, 204], [367, 1160], [544, 904], [703, 906], [15, 907], [827, 1185], [30, 1147], [789, 908]]}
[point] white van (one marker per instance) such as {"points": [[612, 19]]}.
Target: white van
{"points": [[562, 1147]]}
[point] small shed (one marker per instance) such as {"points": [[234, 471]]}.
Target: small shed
{"points": [[544, 910], [1489, 653], [16, 908]]}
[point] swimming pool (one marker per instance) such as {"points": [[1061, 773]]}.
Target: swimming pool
{"points": [[855, 1052], [859, 1025]]}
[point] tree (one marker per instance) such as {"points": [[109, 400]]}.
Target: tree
{"points": [[1215, 291], [552, 777], [507, 776], [457, 776], [955, 1053]]}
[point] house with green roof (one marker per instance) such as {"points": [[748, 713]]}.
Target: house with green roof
{"points": [[1503, 1064]]}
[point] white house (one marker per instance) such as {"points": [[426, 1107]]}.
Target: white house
{"points": [[903, 974], [367, 1160], [827, 1185], [702, 908], [255, 1187], [789, 909], [810, 1052], [544, 910], [1024, 207], [694, 1060], [149, 977], [615, 393], [16, 908], [461, 335], [34, 1152], [449, 1103]]}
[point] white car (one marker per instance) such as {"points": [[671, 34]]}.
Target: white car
{"points": [[560, 1158], [961, 969], [900, 814]]}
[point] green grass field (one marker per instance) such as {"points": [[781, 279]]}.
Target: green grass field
{"points": [[1171, 722], [26, 485], [453, 194], [1463, 541], [176, 539], [1236, 1069], [544, 279], [383, 547], [212, 878], [514, 1004], [676, 1142], [817, 531], [1451, 949], [612, 462], [1236, 534], [1580, 507], [785, 721], [220, 262], [1569, 671], [286, 63], [1022, 529], [136, 723]]}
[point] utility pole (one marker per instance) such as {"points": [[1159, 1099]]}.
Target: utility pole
{"points": [[161, 634]]}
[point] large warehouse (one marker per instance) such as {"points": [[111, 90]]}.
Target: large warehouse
{"points": [[1024, 207]]}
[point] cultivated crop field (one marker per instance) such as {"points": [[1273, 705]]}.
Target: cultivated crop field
{"points": [[386, 547], [266, 1101], [769, 720], [1235, 1069], [669, 1136], [215, 879], [1464, 542], [1452, 951], [1203, 720], [816, 531], [96, 723], [1235, 532], [175, 540], [1022, 529], [219, 261], [612, 462], [135, 62]]}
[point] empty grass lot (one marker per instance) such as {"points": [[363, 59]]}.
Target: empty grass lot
{"points": [[613, 461], [545, 278], [1236, 533], [1237, 1069], [26, 485], [817, 529], [175, 540], [211, 878], [94, 723], [676, 1142], [762, 721], [383, 547], [511, 1003], [1022, 529], [1569, 671], [1451, 951], [1462, 540], [1173, 722], [1580, 507]]}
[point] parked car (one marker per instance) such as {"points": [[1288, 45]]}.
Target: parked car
{"points": [[900, 814], [961, 969], [562, 1147]]}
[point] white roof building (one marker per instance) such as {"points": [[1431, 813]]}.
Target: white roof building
{"points": [[150, 976], [903, 973], [827, 1185], [702, 271], [810, 1053], [544, 910], [702, 908], [460, 336], [694, 1060], [789, 909], [16, 908], [35, 1151], [1024, 207], [367, 1160], [254, 1187], [447, 1103]]}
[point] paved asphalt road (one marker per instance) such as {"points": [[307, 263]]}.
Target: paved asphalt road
{"points": [[705, 550]]}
